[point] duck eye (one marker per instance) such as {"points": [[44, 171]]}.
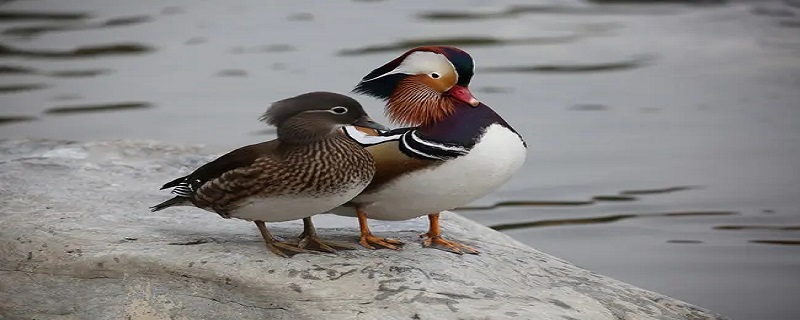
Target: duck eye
{"points": [[435, 75], [339, 110]]}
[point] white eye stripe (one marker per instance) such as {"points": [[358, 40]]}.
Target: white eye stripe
{"points": [[338, 110], [423, 62]]}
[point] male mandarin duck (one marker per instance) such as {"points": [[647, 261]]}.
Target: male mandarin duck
{"points": [[456, 150], [309, 169]]}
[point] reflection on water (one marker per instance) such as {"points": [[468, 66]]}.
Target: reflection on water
{"points": [[33, 31], [771, 228], [789, 23], [613, 198], [232, 73], [19, 70], [10, 119], [777, 12], [685, 241], [493, 90], [459, 41], [605, 219], [34, 15], [659, 191], [7, 70], [519, 10], [265, 49], [574, 67], [80, 52], [300, 16], [77, 73], [21, 87], [589, 107], [778, 242], [609, 97], [627, 195], [98, 108], [66, 97], [525, 204]]}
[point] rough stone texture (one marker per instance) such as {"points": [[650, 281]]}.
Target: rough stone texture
{"points": [[77, 242]]}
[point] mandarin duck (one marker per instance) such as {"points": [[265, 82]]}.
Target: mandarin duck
{"points": [[309, 169], [456, 149]]}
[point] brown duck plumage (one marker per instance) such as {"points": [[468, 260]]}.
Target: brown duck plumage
{"points": [[309, 169], [326, 167]]}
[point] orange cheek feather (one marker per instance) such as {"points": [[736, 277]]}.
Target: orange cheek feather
{"points": [[417, 101]]}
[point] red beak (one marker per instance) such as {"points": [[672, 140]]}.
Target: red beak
{"points": [[462, 93]]}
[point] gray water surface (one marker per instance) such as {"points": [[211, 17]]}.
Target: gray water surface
{"points": [[664, 138]]}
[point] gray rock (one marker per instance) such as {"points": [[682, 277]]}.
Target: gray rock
{"points": [[78, 242]]}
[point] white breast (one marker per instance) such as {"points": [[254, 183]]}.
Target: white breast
{"points": [[490, 163], [285, 208]]}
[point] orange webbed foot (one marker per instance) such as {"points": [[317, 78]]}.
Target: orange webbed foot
{"points": [[368, 240], [440, 243], [433, 238]]}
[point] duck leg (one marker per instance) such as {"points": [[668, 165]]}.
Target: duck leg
{"points": [[278, 247], [367, 239], [310, 240], [433, 238]]}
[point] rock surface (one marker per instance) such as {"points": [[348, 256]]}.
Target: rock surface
{"points": [[77, 242]]}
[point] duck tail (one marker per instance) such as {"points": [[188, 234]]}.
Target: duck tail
{"points": [[176, 201]]}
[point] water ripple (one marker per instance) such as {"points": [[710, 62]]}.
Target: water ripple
{"points": [[758, 227], [90, 108], [78, 73], [573, 68], [460, 41], [605, 219], [21, 87], [12, 119], [778, 242], [626, 195], [6, 16], [518, 10], [33, 31], [80, 52]]}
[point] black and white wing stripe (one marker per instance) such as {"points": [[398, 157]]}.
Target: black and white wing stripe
{"points": [[187, 187], [415, 146], [410, 142]]}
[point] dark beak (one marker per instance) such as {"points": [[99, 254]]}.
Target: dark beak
{"points": [[367, 122]]}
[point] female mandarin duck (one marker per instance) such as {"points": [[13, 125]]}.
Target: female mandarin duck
{"points": [[456, 151], [309, 169]]}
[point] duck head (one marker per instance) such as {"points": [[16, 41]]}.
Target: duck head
{"points": [[422, 86], [315, 115]]}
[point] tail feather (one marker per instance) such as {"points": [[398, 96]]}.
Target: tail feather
{"points": [[173, 183], [176, 201]]}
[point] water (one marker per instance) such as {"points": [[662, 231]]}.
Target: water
{"points": [[664, 138]]}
